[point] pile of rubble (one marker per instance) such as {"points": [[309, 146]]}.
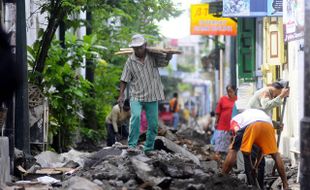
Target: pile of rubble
{"points": [[162, 170], [180, 161]]}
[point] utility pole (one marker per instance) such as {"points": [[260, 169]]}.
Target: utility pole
{"points": [[22, 132], [305, 122], [216, 73], [233, 63]]}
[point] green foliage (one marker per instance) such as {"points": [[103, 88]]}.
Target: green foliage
{"points": [[106, 87], [65, 88], [116, 21], [186, 68], [183, 87]]}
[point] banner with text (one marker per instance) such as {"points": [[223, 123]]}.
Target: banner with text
{"points": [[252, 8], [293, 19], [203, 23], [244, 8]]}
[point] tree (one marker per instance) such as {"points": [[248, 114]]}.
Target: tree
{"points": [[58, 11]]}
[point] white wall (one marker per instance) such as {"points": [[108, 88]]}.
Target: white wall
{"points": [[34, 20], [294, 110]]}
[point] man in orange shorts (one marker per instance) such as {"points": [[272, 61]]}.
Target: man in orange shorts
{"points": [[254, 127]]}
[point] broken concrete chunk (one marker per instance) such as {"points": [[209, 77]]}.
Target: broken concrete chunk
{"points": [[269, 164], [131, 184], [47, 180], [147, 173], [98, 182], [177, 149], [76, 156], [277, 184], [78, 183], [169, 135], [194, 135], [101, 155], [210, 166], [50, 159], [196, 187], [176, 168]]}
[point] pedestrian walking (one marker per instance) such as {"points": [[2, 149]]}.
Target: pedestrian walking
{"points": [[223, 115], [117, 122], [174, 108], [146, 89]]}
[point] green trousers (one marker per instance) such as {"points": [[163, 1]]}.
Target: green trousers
{"points": [[151, 110]]}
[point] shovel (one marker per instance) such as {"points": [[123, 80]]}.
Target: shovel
{"points": [[281, 122], [281, 117]]}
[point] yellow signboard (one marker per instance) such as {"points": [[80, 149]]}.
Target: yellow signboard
{"points": [[203, 23]]}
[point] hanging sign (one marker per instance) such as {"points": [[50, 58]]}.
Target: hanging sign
{"points": [[275, 8], [244, 8], [203, 23], [252, 8]]}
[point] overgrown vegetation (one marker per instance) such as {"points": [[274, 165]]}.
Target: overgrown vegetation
{"points": [[56, 66]]}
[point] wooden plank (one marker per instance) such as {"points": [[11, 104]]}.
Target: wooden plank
{"points": [[128, 51], [49, 171]]}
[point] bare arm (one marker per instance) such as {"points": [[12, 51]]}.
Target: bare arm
{"points": [[120, 99], [217, 116], [162, 60], [114, 117], [268, 103]]}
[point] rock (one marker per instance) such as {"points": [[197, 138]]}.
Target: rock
{"points": [[191, 134], [176, 169], [116, 183], [195, 187], [71, 164], [23, 159], [176, 148], [50, 159], [242, 177], [210, 166], [98, 182], [277, 184], [169, 135], [47, 180], [147, 174], [131, 185], [77, 183], [75, 157], [269, 164], [219, 182], [101, 155], [178, 184]]}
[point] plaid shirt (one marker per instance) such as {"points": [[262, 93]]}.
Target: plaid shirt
{"points": [[144, 78]]}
